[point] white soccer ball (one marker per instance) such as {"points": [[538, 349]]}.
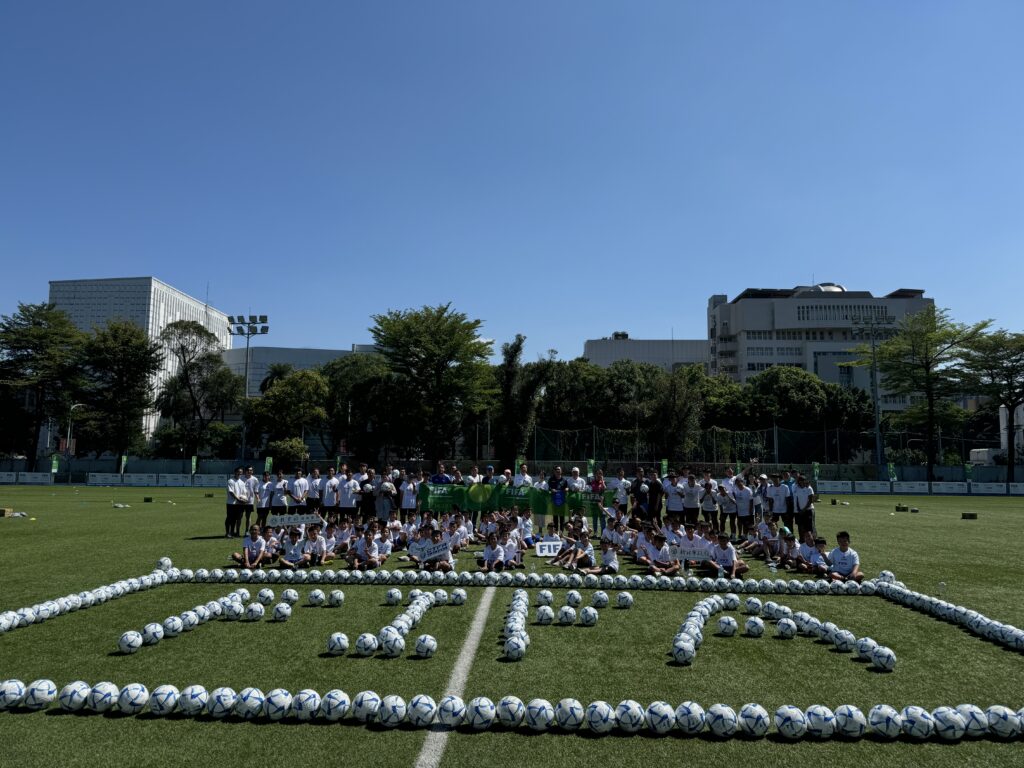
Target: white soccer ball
{"points": [[480, 713], [786, 629], [883, 658], [73, 696], [600, 717], [133, 699], [290, 596], [573, 598], [629, 716], [752, 606], [192, 700], [850, 721], [393, 597], [221, 702], [316, 597], [451, 711], [336, 599], [753, 720], [790, 722], [821, 721], [865, 647], [249, 703], [661, 717], [254, 612], [459, 596], [366, 644], [599, 599], [727, 626], [337, 644], [539, 714], [569, 714], [544, 597], [844, 641], [754, 626], [885, 722], [949, 724], [511, 711], [164, 700], [130, 642], [917, 722], [1003, 722], [683, 650], [306, 704], [514, 648], [366, 706], [566, 615], [690, 718], [545, 615], [722, 721], [12, 693], [393, 645], [421, 711], [426, 646], [39, 694], [975, 720], [624, 600], [232, 611], [282, 612], [588, 616]]}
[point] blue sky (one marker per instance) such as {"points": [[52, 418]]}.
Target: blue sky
{"points": [[560, 169]]}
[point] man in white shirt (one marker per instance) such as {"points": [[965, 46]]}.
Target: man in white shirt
{"points": [[844, 562], [316, 486], [264, 497], [252, 483], [279, 497], [523, 478], [744, 498], [330, 493], [803, 505], [348, 495], [776, 495], [673, 496], [298, 490], [237, 498], [410, 497]]}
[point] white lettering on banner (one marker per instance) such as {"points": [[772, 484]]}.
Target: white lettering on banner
{"points": [[1016, 489], [949, 487], [998, 489], [8, 477], [175, 481], [910, 486], [35, 478], [210, 481], [871, 486], [547, 548], [140, 478], [834, 486], [435, 552], [287, 520], [104, 478], [691, 552]]}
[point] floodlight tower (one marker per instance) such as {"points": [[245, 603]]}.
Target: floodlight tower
{"points": [[255, 325]]}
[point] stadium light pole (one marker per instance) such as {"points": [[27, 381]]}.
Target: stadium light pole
{"points": [[869, 326], [239, 325], [67, 442]]}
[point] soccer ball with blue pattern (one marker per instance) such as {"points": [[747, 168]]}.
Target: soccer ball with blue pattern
{"points": [[365, 706], [539, 714], [624, 600], [514, 648], [975, 720], [306, 704], [39, 694], [1003, 722], [753, 720], [949, 725], [421, 710], [133, 699], [690, 718], [661, 717], [337, 644], [366, 644], [629, 716], [221, 702], [821, 721], [917, 722], [130, 642], [790, 722], [73, 696], [249, 703], [392, 711], [277, 704], [721, 720], [683, 650], [754, 627], [885, 722], [393, 645], [850, 722], [600, 717], [566, 615], [511, 711], [426, 646], [282, 612], [103, 697], [569, 714], [334, 705], [588, 616], [480, 713], [451, 711], [164, 700]]}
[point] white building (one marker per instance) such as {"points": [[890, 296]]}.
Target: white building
{"points": [[146, 301], [668, 354], [809, 327]]}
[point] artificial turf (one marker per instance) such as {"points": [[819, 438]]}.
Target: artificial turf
{"points": [[79, 540]]}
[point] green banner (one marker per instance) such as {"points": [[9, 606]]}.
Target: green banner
{"points": [[124, 463], [54, 464], [487, 498], [195, 464], [816, 468], [268, 464], [892, 472], [968, 469], [664, 467], [590, 467]]}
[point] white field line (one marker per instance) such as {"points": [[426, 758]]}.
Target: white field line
{"points": [[433, 746]]}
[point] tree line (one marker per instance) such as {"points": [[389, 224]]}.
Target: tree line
{"points": [[430, 388]]}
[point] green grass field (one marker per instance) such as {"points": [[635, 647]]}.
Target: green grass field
{"points": [[79, 541]]}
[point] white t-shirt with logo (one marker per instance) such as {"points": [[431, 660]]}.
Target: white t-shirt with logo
{"points": [[844, 562]]}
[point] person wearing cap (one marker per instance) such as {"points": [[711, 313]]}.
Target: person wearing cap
{"points": [[576, 483], [843, 561], [725, 559]]}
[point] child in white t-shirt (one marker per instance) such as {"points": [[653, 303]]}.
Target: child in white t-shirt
{"points": [[609, 560], [843, 561], [493, 558]]}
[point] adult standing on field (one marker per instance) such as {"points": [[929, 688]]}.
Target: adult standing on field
{"points": [[237, 498], [803, 503], [316, 487], [252, 484], [558, 487], [298, 490], [279, 500], [264, 498]]}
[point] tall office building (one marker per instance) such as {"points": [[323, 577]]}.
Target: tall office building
{"points": [[668, 354], [810, 327], [146, 301]]}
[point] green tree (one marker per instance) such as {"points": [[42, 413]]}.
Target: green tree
{"points": [[288, 453], [354, 404], [519, 388], [922, 358], [438, 357], [673, 427], [993, 365], [39, 354], [203, 389], [293, 405], [275, 371], [788, 397], [118, 364]]}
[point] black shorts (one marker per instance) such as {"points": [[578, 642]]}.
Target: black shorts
{"points": [[313, 504]]}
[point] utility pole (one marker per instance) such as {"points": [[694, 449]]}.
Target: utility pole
{"points": [[869, 325], [254, 326]]}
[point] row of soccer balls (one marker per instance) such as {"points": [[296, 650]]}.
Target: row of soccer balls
{"points": [[520, 579], [974, 622], [689, 718], [50, 609], [690, 636]]}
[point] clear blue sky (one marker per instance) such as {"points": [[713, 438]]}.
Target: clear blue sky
{"points": [[560, 169]]}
